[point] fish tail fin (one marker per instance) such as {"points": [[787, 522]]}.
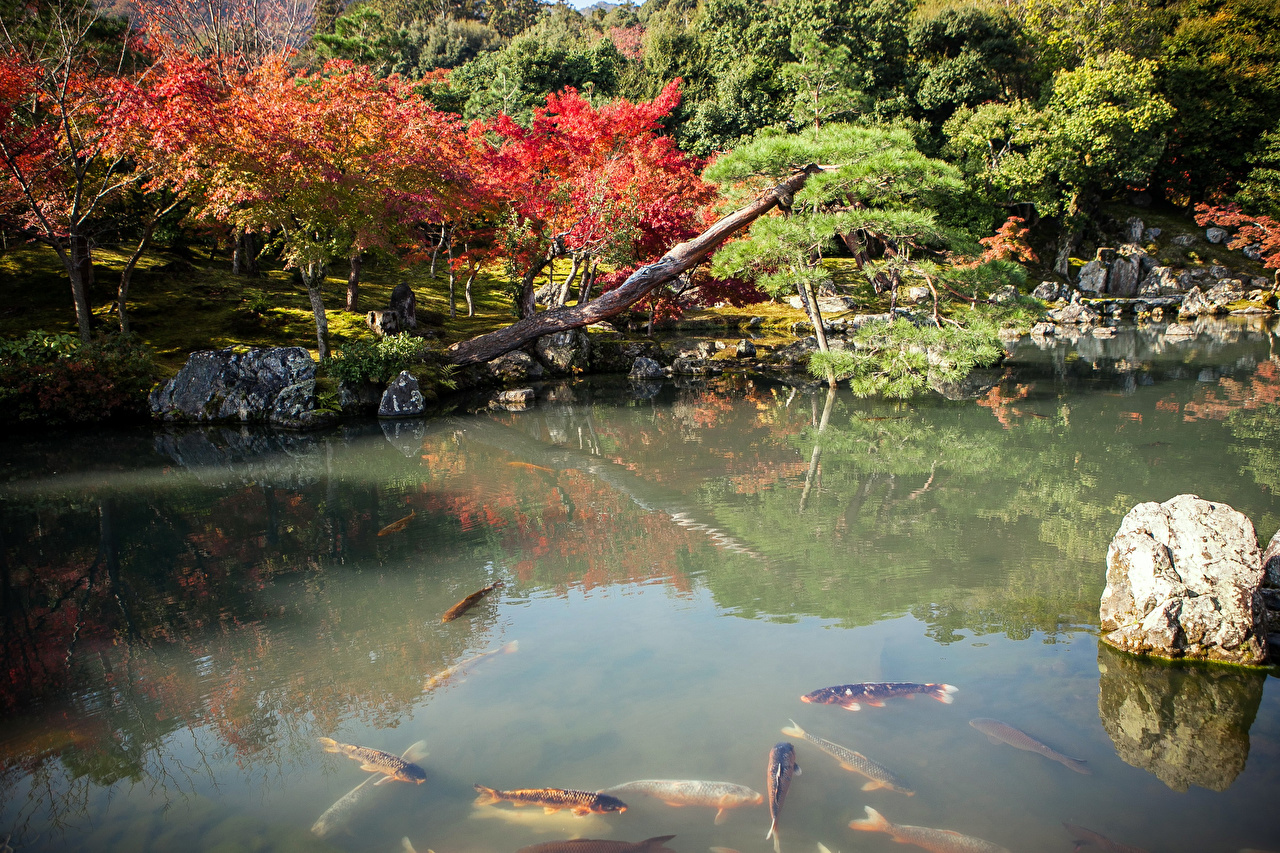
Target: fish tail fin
{"points": [[721, 816], [1079, 765], [777, 843], [873, 822], [944, 693], [655, 843], [513, 646], [773, 829], [329, 744], [415, 753], [793, 730], [487, 795], [407, 845]]}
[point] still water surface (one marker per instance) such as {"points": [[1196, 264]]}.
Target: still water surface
{"points": [[186, 612]]}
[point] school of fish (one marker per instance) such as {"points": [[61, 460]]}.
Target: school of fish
{"points": [[780, 770]]}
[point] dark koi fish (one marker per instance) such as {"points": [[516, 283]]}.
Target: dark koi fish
{"points": [[399, 524], [782, 766], [1085, 837], [395, 768], [553, 800], [853, 696], [467, 603], [595, 845]]}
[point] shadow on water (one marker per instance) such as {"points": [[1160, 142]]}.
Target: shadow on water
{"points": [[1185, 723]]}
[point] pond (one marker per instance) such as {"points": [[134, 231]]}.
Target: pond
{"points": [[186, 614]]}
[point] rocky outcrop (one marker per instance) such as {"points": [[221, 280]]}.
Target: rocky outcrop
{"points": [[564, 352], [405, 305], [1182, 582], [403, 398], [275, 386], [1186, 725], [646, 368], [513, 400], [1073, 313]]}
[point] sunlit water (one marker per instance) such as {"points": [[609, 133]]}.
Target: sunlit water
{"points": [[186, 612]]}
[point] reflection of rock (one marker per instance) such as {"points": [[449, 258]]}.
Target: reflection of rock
{"points": [[972, 386], [404, 435], [221, 455], [1182, 581], [1187, 724]]}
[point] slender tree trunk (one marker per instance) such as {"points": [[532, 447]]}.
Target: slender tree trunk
{"points": [[472, 271], [810, 302], [638, 285], [353, 283], [126, 274], [453, 302], [435, 252], [313, 277], [588, 281], [562, 295], [79, 263]]}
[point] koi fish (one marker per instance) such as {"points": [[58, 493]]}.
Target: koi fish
{"points": [[340, 813], [396, 769], [445, 675], [1084, 837], [933, 840], [853, 696], [553, 800], [854, 761], [399, 524], [782, 766], [998, 732], [596, 845], [560, 823], [692, 792], [470, 601], [530, 466]]}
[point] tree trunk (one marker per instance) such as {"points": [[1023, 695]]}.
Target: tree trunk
{"points": [[453, 301], [639, 284], [588, 280], [471, 277], [562, 295], [79, 263], [353, 283], [810, 302], [313, 277], [526, 307], [126, 275], [435, 252]]}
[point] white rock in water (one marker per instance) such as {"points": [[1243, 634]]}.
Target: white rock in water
{"points": [[1182, 582]]}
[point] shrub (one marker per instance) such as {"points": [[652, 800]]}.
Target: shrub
{"points": [[381, 360], [53, 379]]}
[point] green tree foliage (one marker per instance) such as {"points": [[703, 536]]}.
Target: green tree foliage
{"points": [[1261, 188], [554, 54], [966, 55], [1221, 71], [1102, 129]]}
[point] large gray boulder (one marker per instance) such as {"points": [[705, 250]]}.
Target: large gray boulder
{"points": [[275, 386], [1182, 582], [1093, 277]]}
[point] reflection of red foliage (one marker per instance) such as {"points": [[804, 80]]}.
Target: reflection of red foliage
{"points": [[1001, 404], [1229, 395]]}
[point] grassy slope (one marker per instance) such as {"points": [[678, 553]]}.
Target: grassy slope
{"points": [[178, 310]]}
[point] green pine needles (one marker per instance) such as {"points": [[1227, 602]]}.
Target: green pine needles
{"points": [[900, 359]]}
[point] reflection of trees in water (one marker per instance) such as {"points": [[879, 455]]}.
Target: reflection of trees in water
{"points": [[1186, 723], [133, 622]]}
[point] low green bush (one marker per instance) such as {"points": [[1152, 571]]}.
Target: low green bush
{"points": [[54, 379], [380, 360]]}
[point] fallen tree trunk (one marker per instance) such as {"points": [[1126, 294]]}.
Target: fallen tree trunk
{"points": [[638, 285]]}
